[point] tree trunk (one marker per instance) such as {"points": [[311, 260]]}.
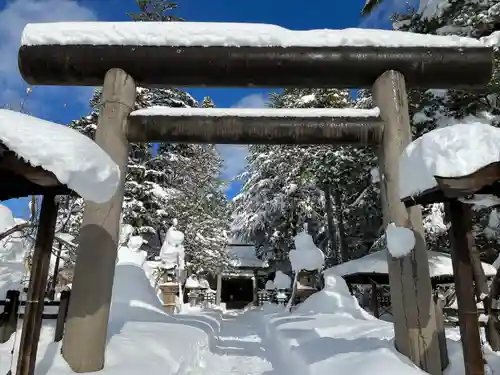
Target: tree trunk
{"points": [[343, 248], [416, 330], [333, 256], [84, 341]]}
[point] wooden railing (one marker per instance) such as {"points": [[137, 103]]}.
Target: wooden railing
{"points": [[11, 313]]}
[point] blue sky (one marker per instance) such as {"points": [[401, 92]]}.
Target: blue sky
{"points": [[63, 104]]}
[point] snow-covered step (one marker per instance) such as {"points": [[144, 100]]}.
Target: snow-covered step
{"points": [[219, 54], [256, 125]]}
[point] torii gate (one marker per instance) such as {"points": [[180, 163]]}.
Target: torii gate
{"points": [[78, 54]]}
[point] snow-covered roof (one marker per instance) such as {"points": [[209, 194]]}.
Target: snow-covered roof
{"points": [[376, 263], [244, 256], [257, 112], [206, 34], [454, 151], [73, 158]]}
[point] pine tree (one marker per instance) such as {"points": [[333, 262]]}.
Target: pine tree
{"points": [[430, 109], [169, 181], [287, 186], [155, 10]]}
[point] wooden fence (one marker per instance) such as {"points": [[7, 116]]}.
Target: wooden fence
{"points": [[12, 313]]}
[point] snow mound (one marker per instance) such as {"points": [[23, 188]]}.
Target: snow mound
{"points": [[453, 151], [206, 34], [133, 296], [75, 160], [400, 240], [333, 299], [376, 263]]}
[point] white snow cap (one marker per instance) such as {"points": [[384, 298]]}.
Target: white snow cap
{"points": [[258, 112], [75, 160], [282, 280], [225, 34], [270, 285], [400, 240], [452, 151], [306, 255]]}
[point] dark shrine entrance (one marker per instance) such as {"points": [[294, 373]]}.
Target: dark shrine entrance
{"points": [[237, 292]]}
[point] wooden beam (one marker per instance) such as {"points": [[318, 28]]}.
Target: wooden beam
{"points": [[32, 323], [461, 241], [84, 341], [416, 331], [9, 161], [485, 181], [179, 66], [20, 179], [264, 126]]}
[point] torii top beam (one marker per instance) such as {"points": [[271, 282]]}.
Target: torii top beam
{"points": [[186, 54]]}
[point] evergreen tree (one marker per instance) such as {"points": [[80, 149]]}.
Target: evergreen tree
{"points": [[430, 109], [168, 181], [287, 186], [155, 10]]}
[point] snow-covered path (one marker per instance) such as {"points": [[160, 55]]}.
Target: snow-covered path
{"points": [[241, 348]]}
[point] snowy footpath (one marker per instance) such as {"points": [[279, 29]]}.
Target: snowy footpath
{"points": [[142, 337], [242, 346]]}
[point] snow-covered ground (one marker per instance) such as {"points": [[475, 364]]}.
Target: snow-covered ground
{"points": [[328, 331]]}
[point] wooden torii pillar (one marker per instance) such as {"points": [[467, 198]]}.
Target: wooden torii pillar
{"points": [[387, 69]]}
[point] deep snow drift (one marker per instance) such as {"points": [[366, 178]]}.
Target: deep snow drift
{"points": [[328, 331], [331, 331]]}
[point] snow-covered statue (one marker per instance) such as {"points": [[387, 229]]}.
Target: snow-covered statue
{"points": [[172, 256], [172, 251], [305, 256]]}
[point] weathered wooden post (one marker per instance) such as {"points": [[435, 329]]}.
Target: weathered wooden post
{"points": [[374, 303], [88, 313], [218, 292], [32, 322], [461, 242], [409, 277], [62, 315]]}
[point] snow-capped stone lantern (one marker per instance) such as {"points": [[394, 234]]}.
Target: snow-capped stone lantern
{"points": [[172, 252], [270, 289], [306, 256], [172, 258], [282, 282], [193, 286]]}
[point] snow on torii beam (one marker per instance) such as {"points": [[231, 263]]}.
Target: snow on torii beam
{"points": [[255, 126], [186, 54]]}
